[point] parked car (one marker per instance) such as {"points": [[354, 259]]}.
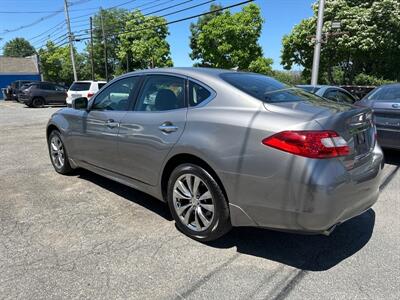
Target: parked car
{"points": [[385, 102], [225, 148], [15, 88], [42, 93], [84, 89], [333, 93]]}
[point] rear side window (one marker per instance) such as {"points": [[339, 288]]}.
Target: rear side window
{"points": [[101, 85], [197, 93], [80, 86], [385, 93], [47, 86], [266, 88]]}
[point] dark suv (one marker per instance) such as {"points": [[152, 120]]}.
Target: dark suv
{"points": [[42, 93], [14, 89]]}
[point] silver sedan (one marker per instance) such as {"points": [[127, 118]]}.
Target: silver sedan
{"points": [[224, 149], [333, 93]]}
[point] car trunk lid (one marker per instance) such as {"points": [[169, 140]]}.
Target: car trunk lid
{"points": [[351, 123]]}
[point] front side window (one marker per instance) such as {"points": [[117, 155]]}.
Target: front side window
{"points": [[117, 96], [162, 92], [197, 93], [345, 98], [385, 93], [331, 95]]}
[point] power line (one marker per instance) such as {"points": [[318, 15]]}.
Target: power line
{"points": [[165, 15], [177, 21]]}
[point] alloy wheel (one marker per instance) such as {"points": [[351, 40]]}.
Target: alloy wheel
{"points": [[57, 152], [193, 202]]}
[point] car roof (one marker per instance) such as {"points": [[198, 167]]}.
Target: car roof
{"points": [[187, 71], [90, 81]]}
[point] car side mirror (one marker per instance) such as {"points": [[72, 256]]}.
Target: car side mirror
{"points": [[80, 103]]}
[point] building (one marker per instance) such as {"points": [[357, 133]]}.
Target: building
{"points": [[18, 68]]}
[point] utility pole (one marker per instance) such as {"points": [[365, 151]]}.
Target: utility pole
{"points": [[71, 46], [91, 47], [104, 43], [318, 41]]}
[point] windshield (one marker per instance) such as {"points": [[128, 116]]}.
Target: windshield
{"points": [[80, 86], [385, 93], [266, 88]]}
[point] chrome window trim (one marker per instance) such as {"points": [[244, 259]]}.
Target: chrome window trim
{"points": [[213, 93]]}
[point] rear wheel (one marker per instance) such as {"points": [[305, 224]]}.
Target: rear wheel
{"points": [[37, 102], [58, 153], [197, 203]]}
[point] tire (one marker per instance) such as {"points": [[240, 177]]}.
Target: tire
{"points": [[208, 217], [58, 153], [38, 102]]}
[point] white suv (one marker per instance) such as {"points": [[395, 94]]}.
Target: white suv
{"points": [[86, 88]]}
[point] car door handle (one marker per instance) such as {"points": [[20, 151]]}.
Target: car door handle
{"points": [[111, 123], [395, 105], [168, 127]]}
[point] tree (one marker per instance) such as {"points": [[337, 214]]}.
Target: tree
{"points": [[227, 40], [113, 21], [56, 66], [144, 43], [369, 41], [261, 65], [196, 29], [18, 47]]}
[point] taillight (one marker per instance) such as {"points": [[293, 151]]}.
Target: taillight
{"points": [[90, 94], [313, 144]]}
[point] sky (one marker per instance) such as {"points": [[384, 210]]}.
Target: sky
{"points": [[22, 18]]}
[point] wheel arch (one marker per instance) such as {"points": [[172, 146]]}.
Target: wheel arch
{"points": [[183, 158], [50, 128]]}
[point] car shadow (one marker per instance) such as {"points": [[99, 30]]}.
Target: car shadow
{"points": [[306, 252], [127, 192], [392, 157]]}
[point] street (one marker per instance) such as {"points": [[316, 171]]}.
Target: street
{"points": [[84, 236]]}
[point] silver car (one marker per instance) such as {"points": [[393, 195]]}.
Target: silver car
{"points": [[330, 92], [224, 149], [385, 102]]}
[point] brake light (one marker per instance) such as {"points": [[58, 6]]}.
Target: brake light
{"points": [[90, 94], [313, 144]]}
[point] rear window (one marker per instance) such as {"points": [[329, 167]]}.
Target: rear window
{"points": [[385, 93], [80, 86], [266, 88]]}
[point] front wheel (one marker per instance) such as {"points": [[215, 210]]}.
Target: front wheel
{"points": [[58, 154], [197, 203]]}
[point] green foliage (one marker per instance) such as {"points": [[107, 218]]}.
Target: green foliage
{"points": [[56, 66], [225, 40], [290, 78], [144, 44], [261, 65], [369, 43], [18, 47], [364, 79], [113, 21]]}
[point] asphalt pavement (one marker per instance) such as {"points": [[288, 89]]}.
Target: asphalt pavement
{"points": [[84, 236]]}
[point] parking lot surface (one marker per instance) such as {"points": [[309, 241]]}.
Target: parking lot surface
{"points": [[84, 236]]}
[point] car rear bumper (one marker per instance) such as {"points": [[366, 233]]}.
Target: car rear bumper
{"points": [[389, 138], [309, 201]]}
